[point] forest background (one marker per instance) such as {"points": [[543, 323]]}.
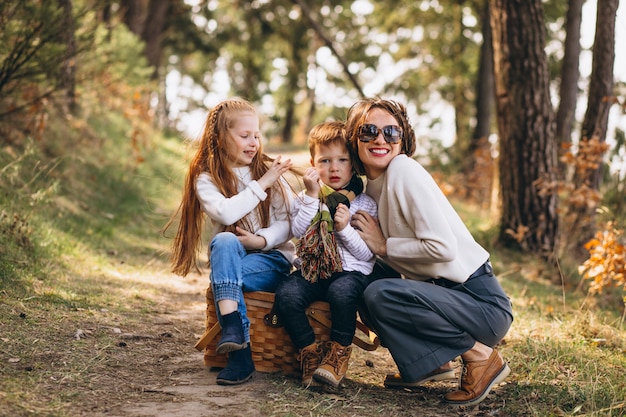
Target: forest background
{"points": [[93, 96]]}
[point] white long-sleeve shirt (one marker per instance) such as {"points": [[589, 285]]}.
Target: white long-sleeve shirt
{"points": [[224, 211], [355, 255], [426, 238]]}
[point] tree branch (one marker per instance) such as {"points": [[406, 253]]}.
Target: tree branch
{"points": [[306, 12]]}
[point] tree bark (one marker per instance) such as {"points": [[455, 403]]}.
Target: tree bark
{"points": [[68, 69], [478, 163], [526, 127], [485, 87], [596, 117], [306, 13], [570, 73], [152, 33], [133, 15], [105, 17], [601, 84]]}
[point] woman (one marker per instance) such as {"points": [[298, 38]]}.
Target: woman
{"points": [[450, 303]]}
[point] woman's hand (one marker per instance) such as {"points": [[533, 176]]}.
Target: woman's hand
{"points": [[250, 241], [368, 228], [342, 217], [274, 172]]}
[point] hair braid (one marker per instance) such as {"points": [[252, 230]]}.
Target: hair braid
{"points": [[213, 156]]}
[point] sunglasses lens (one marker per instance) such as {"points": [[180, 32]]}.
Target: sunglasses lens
{"points": [[392, 134], [368, 133]]}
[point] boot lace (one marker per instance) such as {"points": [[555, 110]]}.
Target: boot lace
{"points": [[335, 357], [310, 360]]}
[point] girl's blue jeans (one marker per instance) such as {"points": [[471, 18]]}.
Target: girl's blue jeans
{"points": [[235, 271]]}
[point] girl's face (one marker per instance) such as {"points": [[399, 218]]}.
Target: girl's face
{"points": [[246, 138], [377, 154]]}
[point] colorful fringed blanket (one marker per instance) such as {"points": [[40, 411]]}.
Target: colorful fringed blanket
{"points": [[317, 248]]}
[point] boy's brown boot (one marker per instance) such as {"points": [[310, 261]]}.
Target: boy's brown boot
{"points": [[334, 365], [310, 358]]}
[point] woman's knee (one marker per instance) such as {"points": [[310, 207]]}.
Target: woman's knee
{"points": [[372, 297], [382, 295]]}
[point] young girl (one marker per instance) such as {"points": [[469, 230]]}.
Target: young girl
{"points": [[241, 190]]}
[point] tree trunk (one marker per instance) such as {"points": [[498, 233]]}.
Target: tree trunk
{"points": [[68, 70], [287, 134], [106, 17], [458, 89], [601, 85], [133, 15], [485, 88], [526, 127], [291, 89], [152, 33], [306, 13], [570, 73], [478, 164], [596, 117]]}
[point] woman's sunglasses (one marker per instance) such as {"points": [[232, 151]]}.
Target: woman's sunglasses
{"points": [[369, 132]]}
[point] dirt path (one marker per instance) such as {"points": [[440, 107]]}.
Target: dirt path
{"points": [[170, 380], [154, 370]]}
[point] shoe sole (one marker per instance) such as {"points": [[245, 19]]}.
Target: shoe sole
{"points": [[499, 378], [401, 384], [229, 382], [324, 376], [229, 347], [311, 384]]}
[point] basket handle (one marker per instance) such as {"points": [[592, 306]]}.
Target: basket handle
{"points": [[311, 312], [371, 344], [208, 335]]}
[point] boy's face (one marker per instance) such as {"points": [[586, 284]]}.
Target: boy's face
{"points": [[333, 164]]}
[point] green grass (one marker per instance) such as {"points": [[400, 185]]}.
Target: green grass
{"points": [[71, 216], [82, 211]]}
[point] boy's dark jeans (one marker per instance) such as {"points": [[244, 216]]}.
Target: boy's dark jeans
{"points": [[342, 291]]}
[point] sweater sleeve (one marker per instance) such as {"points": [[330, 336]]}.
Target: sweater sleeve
{"points": [[225, 210], [305, 208], [279, 229], [349, 238]]}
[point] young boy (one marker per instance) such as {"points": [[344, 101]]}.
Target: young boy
{"points": [[332, 167]]}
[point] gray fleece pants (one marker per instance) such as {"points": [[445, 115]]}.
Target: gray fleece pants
{"points": [[425, 324]]}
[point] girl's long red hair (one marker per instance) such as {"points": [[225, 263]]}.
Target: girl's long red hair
{"points": [[213, 156]]}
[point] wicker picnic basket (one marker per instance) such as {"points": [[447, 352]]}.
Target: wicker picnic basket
{"points": [[272, 349]]}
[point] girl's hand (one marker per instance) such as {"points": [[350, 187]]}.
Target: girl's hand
{"points": [[250, 241], [277, 169], [311, 181], [369, 230], [342, 217]]}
